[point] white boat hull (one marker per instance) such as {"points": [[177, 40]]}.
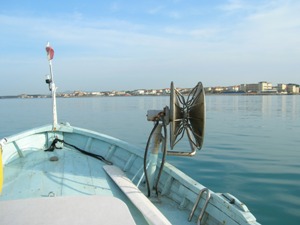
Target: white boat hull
{"points": [[32, 173]]}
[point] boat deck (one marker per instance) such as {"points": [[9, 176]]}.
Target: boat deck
{"points": [[36, 175], [76, 210], [73, 174]]}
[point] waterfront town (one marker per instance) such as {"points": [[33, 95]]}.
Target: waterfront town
{"points": [[260, 88]]}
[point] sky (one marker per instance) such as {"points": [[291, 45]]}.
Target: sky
{"points": [[127, 45]]}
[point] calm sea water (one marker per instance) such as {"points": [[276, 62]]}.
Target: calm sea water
{"points": [[251, 147]]}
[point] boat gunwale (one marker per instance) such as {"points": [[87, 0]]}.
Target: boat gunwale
{"points": [[187, 182]]}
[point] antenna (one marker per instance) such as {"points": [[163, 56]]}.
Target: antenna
{"points": [[50, 82]]}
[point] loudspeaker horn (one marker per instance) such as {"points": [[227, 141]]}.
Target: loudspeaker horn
{"points": [[187, 115]]}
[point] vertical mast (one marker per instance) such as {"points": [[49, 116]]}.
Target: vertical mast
{"points": [[52, 87]]}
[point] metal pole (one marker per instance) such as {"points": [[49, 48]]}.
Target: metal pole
{"points": [[53, 91]]}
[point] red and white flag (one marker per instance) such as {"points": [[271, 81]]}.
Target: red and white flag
{"points": [[50, 52]]}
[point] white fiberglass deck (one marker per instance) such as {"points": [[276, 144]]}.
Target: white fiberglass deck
{"points": [[78, 210], [73, 174]]}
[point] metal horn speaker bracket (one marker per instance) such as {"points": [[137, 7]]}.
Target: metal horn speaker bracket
{"points": [[187, 115]]}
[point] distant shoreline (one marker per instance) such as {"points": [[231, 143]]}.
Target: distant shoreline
{"points": [[260, 88], [94, 96]]}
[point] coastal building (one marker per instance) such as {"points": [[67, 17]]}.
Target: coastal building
{"points": [[97, 93], [79, 93], [151, 92], [217, 89], [282, 88], [233, 88], [120, 93], [166, 91], [249, 88], [138, 92], [292, 88], [264, 86]]}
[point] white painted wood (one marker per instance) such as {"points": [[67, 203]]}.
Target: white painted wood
{"points": [[150, 212], [80, 210]]}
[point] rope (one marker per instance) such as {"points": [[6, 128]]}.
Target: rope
{"points": [[160, 117], [99, 157], [145, 157], [163, 157]]}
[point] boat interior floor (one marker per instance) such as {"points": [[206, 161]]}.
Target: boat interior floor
{"points": [[76, 210], [67, 172], [63, 172]]}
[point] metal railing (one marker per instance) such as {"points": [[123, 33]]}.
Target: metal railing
{"points": [[204, 206]]}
